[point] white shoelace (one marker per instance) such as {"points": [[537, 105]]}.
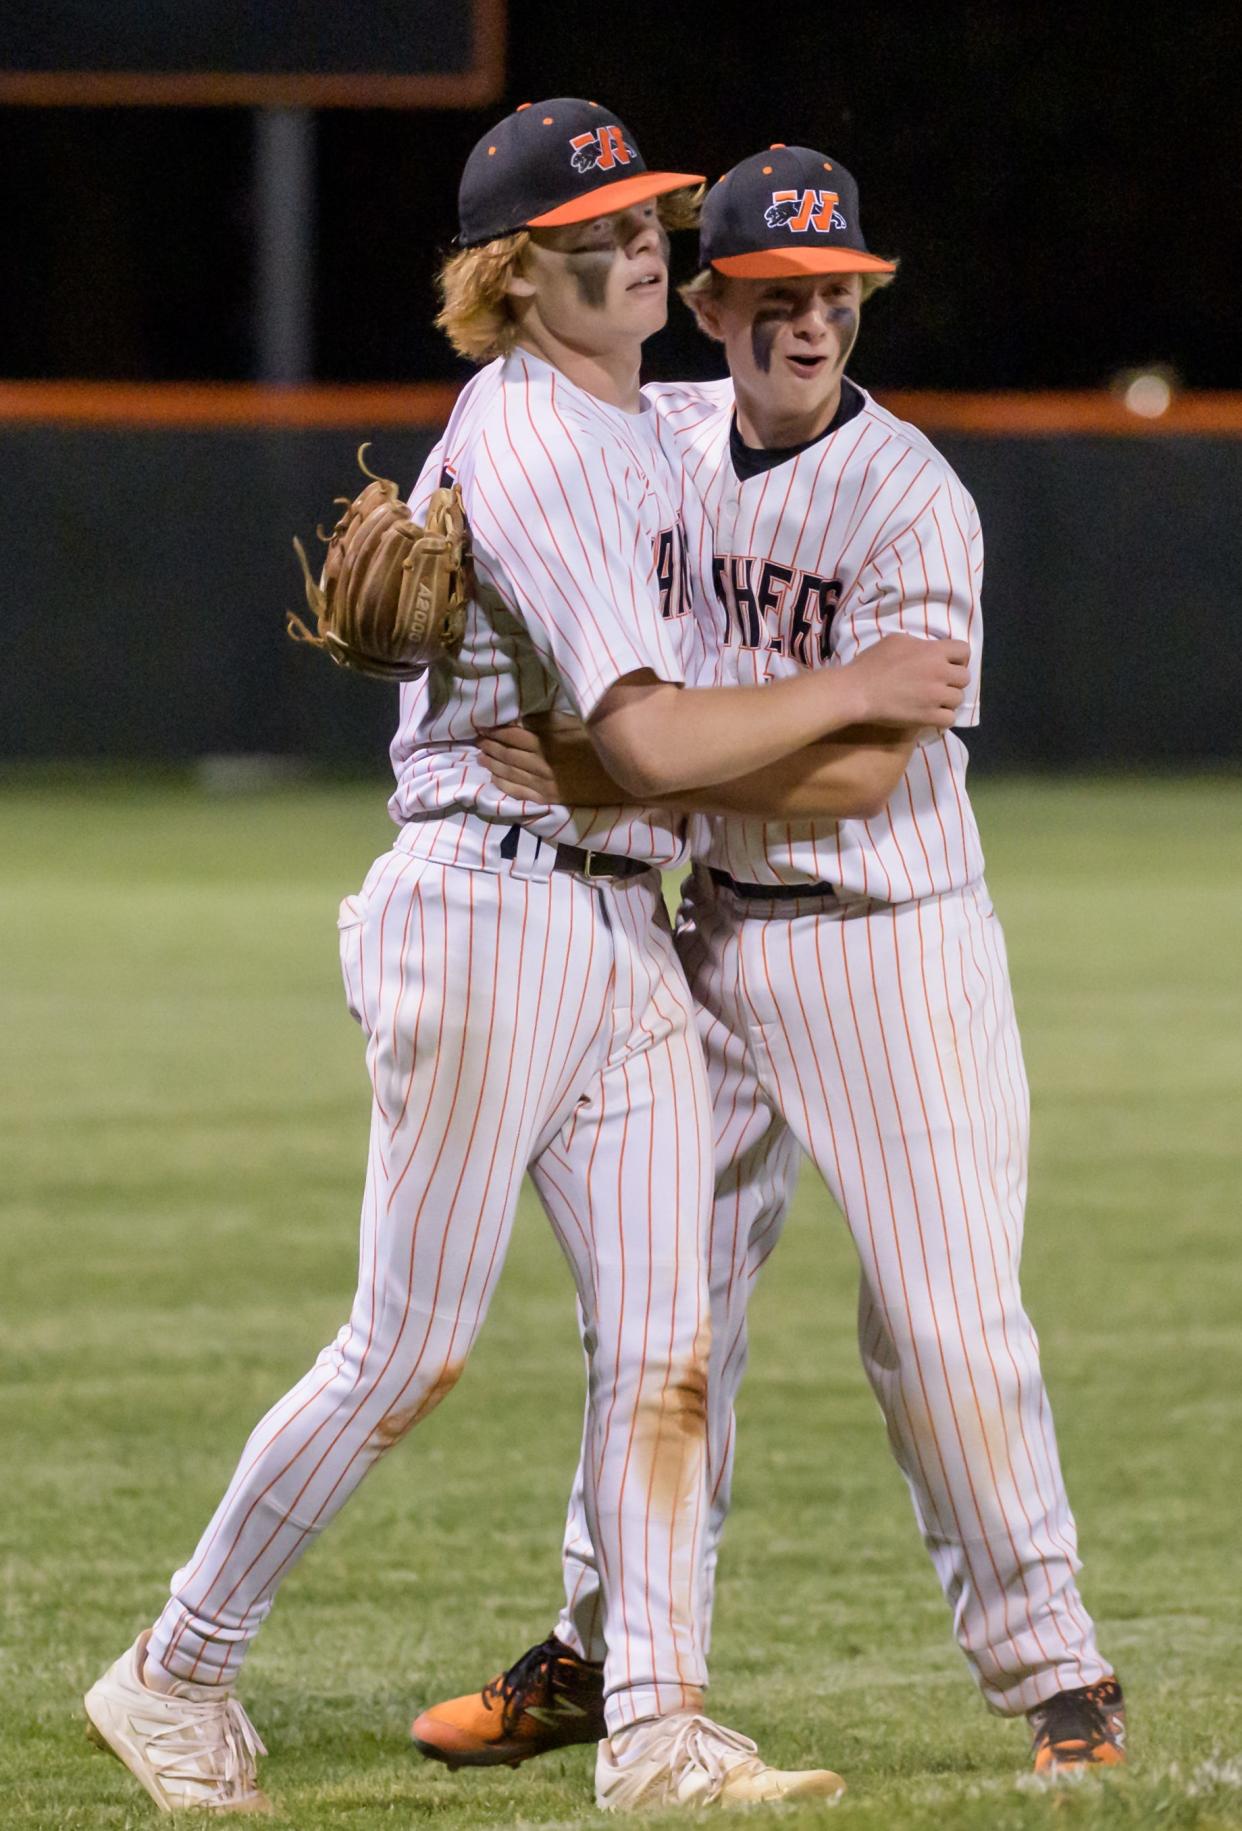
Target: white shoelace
{"points": [[713, 1750], [213, 1743]]}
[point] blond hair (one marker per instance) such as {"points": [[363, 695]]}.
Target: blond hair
{"points": [[475, 314], [476, 311], [707, 284]]}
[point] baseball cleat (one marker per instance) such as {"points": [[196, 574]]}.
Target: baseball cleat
{"points": [[193, 1749], [547, 1699], [1080, 1729], [687, 1760]]}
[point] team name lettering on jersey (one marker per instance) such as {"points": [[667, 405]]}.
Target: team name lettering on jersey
{"points": [[585, 542], [673, 572], [757, 595], [805, 562]]}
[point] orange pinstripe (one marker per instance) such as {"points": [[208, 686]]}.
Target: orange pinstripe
{"points": [[961, 1114], [614, 1128], [941, 1326], [956, 1303], [845, 1027], [447, 956], [565, 498]]}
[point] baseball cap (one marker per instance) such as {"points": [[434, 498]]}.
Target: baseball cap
{"points": [[563, 161], [790, 210]]}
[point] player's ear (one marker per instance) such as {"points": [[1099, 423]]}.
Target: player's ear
{"points": [[700, 295], [519, 281], [706, 308]]}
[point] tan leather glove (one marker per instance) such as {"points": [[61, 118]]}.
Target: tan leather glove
{"points": [[392, 594]]}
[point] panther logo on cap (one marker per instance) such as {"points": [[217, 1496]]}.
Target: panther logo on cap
{"points": [[604, 148], [799, 211]]}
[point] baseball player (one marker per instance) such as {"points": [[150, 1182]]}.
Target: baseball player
{"points": [[850, 977], [521, 998]]}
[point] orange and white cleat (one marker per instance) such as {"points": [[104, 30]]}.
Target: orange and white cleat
{"points": [[547, 1699], [1080, 1729]]}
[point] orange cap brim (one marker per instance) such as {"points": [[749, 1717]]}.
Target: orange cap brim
{"points": [[778, 263], [607, 199]]}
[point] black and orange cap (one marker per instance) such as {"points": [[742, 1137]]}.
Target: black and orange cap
{"points": [[790, 210], [563, 161]]}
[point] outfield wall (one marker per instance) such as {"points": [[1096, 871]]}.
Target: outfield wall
{"points": [[147, 567]]}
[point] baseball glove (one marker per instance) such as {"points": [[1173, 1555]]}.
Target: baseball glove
{"points": [[392, 595]]}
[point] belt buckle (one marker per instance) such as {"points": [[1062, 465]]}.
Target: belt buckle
{"points": [[588, 864]]}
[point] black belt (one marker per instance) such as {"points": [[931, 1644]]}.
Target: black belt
{"points": [[579, 860], [597, 864], [770, 893]]}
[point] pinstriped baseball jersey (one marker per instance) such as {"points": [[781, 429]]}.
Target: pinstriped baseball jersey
{"points": [[864, 533], [577, 518]]}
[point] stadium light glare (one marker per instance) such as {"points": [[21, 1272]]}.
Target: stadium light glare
{"points": [[1147, 392]]}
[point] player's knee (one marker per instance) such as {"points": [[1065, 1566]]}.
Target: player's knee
{"points": [[397, 1389], [673, 1390], [412, 1406], [923, 1350], [936, 1365], [669, 1440], [673, 1399], [688, 1392]]}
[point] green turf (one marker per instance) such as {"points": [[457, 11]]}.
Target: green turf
{"points": [[183, 1127]]}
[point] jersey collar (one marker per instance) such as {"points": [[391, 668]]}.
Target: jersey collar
{"points": [[750, 461]]}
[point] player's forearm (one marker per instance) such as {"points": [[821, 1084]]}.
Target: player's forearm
{"points": [[850, 777], [656, 739]]}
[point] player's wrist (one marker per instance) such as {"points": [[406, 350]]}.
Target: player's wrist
{"points": [[847, 697]]}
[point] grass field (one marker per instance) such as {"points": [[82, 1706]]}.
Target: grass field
{"points": [[183, 1124]]}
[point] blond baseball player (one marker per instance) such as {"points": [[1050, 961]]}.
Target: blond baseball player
{"points": [[850, 978], [521, 998]]}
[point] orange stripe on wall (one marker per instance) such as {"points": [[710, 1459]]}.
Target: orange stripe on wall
{"points": [[85, 403], [135, 89], [127, 404], [1094, 411]]}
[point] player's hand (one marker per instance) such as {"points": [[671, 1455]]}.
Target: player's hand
{"points": [[909, 680], [548, 758]]}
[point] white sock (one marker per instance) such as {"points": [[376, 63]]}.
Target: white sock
{"points": [[158, 1678], [622, 1742]]}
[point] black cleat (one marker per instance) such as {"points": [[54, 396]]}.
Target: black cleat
{"points": [[1079, 1729]]}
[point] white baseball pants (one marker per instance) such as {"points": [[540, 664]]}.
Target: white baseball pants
{"points": [[881, 1041], [515, 1016]]}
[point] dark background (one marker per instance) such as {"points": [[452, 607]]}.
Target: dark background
{"points": [[210, 36], [1061, 184], [151, 627]]}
